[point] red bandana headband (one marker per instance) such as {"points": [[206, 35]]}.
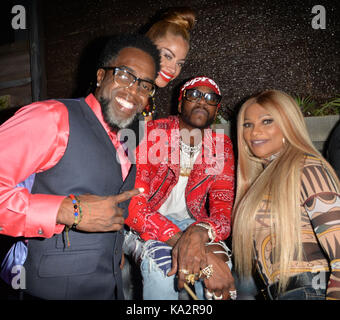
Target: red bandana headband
{"points": [[197, 82]]}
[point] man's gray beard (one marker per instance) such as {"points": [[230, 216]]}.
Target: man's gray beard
{"points": [[111, 119]]}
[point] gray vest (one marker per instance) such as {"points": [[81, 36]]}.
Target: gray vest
{"points": [[89, 268]]}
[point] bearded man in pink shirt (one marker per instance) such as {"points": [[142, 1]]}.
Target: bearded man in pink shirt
{"points": [[65, 181]]}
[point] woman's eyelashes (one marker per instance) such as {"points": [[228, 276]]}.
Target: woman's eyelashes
{"points": [[267, 121]]}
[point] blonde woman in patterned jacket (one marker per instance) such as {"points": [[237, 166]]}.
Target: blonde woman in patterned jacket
{"points": [[286, 221]]}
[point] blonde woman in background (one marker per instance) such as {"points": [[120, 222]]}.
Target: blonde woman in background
{"points": [[171, 35], [286, 220]]}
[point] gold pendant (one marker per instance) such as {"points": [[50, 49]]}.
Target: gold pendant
{"points": [[185, 172]]}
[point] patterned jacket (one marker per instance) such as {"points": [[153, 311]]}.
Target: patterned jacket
{"points": [[210, 184], [320, 230]]}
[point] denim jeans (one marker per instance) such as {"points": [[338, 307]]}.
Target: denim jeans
{"points": [[305, 291], [157, 285]]}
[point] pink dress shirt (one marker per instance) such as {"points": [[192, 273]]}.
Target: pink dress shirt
{"points": [[33, 141]]}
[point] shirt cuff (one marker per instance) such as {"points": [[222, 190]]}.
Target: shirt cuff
{"points": [[41, 216]]}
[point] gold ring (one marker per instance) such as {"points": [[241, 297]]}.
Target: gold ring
{"points": [[185, 271], [190, 278], [207, 271]]}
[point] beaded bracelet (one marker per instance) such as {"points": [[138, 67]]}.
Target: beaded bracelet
{"points": [[78, 214], [77, 210]]}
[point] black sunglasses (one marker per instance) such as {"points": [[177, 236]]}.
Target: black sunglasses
{"points": [[194, 95]]}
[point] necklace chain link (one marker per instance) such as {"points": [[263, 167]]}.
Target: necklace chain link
{"points": [[189, 151]]}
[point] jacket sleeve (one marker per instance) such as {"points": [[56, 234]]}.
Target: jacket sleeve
{"points": [[221, 195], [150, 224], [323, 207], [33, 140]]}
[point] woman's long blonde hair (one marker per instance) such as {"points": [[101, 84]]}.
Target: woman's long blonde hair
{"points": [[280, 181], [176, 21]]}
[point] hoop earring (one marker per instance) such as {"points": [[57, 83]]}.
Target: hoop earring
{"points": [[150, 109], [283, 140]]}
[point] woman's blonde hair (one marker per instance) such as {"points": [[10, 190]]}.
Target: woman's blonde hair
{"points": [[280, 183], [176, 21]]}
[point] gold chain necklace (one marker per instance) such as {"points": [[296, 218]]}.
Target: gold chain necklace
{"points": [[187, 151]]}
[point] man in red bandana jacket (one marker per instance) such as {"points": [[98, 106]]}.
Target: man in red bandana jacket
{"points": [[183, 216]]}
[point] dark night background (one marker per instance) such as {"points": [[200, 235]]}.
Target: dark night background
{"points": [[246, 46]]}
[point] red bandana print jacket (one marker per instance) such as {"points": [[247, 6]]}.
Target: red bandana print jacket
{"points": [[211, 181]]}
